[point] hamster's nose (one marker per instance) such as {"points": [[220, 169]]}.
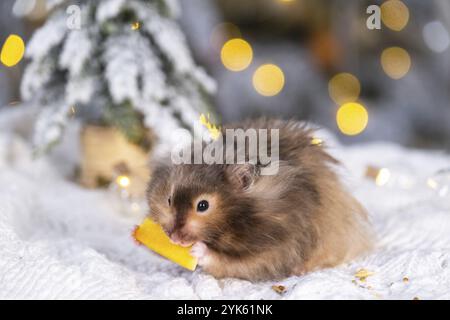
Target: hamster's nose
{"points": [[175, 238]]}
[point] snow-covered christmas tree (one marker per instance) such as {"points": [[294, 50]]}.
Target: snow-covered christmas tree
{"points": [[122, 63]]}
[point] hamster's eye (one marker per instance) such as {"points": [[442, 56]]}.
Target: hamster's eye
{"points": [[202, 206], [168, 201]]}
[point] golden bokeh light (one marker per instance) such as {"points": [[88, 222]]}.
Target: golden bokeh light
{"points": [[123, 181], [432, 183], [383, 177], [135, 25], [343, 88], [352, 118], [268, 80], [236, 54], [396, 62], [394, 14], [12, 50]]}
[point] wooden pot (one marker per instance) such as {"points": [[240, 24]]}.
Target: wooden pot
{"points": [[107, 155]]}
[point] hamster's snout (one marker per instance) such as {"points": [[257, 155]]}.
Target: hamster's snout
{"points": [[181, 239], [183, 231]]}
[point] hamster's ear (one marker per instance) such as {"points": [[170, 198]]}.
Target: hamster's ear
{"points": [[242, 175]]}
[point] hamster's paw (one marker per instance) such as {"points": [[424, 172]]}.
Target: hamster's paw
{"points": [[200, 251]]}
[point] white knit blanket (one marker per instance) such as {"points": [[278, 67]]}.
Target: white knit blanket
{"points": [[60, 241]]}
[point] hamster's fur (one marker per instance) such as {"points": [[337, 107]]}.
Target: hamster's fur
{"points": [[262, 227]]}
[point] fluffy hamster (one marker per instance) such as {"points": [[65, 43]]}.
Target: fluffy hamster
{"points": [[262, 227]]}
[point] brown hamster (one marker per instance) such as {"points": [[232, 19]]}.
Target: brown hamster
{"points": [[262, 227]]}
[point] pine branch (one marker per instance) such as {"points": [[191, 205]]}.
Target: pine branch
{"points": [[125, 118]]}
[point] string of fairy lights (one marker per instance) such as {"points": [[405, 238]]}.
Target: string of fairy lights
{"points": [[352, 117], [344, 88], [438, 183], [237, 55]]}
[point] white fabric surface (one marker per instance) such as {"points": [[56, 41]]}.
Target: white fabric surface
{"points": [[60, 241]]}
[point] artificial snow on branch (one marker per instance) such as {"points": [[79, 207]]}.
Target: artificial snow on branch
{"points": [[128, 66]]}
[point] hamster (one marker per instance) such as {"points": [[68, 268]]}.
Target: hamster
{"points": [[257, 227]]}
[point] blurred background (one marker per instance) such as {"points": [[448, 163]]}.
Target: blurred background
{"points": [[325, 61], [313, 41]]}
